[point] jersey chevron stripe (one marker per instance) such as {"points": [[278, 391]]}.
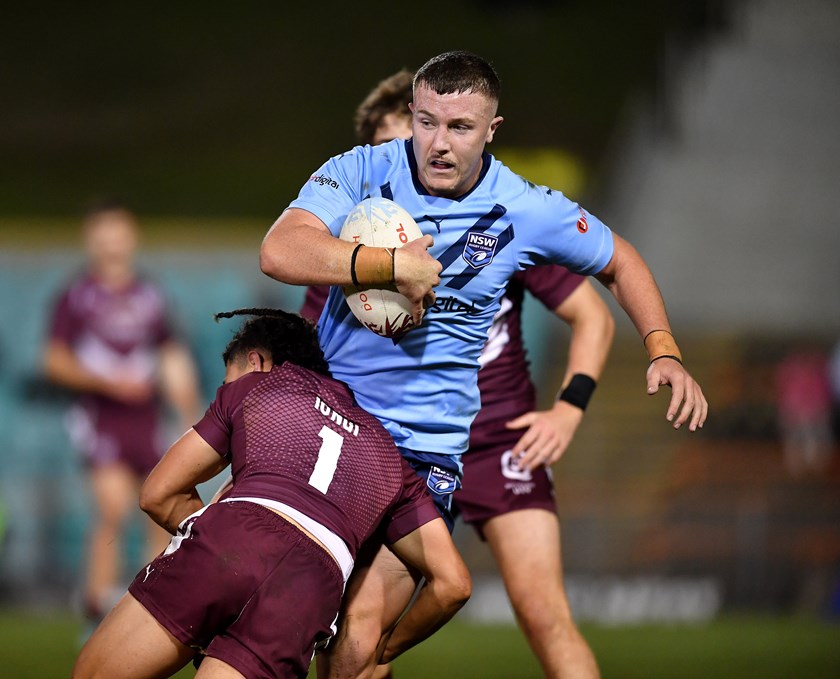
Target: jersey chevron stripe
{"points": [[454, 251], [469, 273]]}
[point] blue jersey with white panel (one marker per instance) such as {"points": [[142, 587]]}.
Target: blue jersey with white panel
{"points": [[422, 386]]}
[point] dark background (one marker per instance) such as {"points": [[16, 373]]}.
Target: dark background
{"points": [[190, 109]]}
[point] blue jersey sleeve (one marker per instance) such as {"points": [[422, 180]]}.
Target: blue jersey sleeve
{"points": [[571, 236]]}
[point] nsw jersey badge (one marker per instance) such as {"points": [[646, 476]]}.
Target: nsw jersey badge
{"points": [[442, 482], [479, 249]]}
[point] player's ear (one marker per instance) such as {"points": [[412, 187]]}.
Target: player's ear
{"points": [[256, 361], [494, 124]]}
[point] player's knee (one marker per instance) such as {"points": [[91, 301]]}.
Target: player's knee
{"points": [[458, 588], [539, 609]]}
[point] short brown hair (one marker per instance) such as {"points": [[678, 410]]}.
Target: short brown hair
{"points": [[459, 71], [391, 95]]}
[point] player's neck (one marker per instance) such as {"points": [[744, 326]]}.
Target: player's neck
{"points": [[114, 277]]}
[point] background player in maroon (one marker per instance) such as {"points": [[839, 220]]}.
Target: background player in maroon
{"points": [[256, 579], [508, 491], [110, 342]]}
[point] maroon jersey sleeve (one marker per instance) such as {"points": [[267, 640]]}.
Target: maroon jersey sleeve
{"points": [[215, 427], [313, 303], [414, 508], [551, 284], [64, 326]]}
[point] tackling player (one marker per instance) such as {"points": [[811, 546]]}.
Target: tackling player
{"points": [[510, 501], [256, 579], [483, 223]]}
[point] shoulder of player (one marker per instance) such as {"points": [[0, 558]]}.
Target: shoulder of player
{"points": [[522, 193]]}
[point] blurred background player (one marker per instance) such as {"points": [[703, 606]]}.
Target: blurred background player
{"points": [[110, 343], [510, 501], [313, 476]]}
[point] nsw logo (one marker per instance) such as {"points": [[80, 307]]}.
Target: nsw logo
{"points": [[479, 249], [441, 481]]}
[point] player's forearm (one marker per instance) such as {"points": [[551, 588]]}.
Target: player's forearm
{"points": [[299, 250], [168, 512], [435, 605], [590, 344], [62, 367]]}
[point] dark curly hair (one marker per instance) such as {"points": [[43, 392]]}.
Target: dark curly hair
{"points": [[285, 336]]}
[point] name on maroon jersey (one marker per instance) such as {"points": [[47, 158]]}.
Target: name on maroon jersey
{"points": [[347, 425]]}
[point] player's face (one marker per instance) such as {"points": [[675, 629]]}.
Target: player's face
{"points": [[392, 126], [111, 240], [450, 131]]}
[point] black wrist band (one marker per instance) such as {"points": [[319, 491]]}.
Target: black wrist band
{"points": [[353, 265], [676, 358], [578, 391]]}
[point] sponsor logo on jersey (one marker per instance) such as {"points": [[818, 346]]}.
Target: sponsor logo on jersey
{"points": [[441, 482], [511, 469], [323, 180], [479, 249], [582, 224], [452, 305], [326, 410]]}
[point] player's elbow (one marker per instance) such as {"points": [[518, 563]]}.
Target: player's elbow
{"points": [[271, 262], [152, 499]]}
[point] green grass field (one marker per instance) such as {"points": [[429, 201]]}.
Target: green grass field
{"points": [[43, 646]]}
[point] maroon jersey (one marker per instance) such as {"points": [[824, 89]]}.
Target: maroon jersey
{"points": [[114, 332], [299, 438], [313, 303], [503, 379]]}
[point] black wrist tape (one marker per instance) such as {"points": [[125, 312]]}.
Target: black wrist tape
{"points": [[578, 391]]}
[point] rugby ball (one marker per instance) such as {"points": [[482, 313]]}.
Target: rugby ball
{"points": [[381, 223]]}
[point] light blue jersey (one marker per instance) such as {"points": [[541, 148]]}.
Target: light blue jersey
{"points": [[423, 385]]}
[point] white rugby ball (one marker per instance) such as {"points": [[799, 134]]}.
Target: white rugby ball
{"points": [[381, 223]]}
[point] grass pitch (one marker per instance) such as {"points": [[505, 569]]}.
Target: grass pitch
{"points": [[41, 646]]}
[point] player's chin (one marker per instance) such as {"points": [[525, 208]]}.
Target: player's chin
{"points": [[444, 187]]}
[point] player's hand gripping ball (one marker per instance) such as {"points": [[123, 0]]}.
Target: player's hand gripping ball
{"points": [[379, 222]]}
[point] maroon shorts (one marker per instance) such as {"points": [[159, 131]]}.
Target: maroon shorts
{"points": [[493, 485], [247, 587], [132, 436]]}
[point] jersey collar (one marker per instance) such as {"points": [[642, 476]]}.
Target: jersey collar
{"points": [[486, 159]]}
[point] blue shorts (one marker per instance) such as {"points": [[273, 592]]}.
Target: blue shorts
{"points": [[442, 475]]}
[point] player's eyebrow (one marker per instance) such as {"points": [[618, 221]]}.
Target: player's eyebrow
{"points": [[454, 121]]}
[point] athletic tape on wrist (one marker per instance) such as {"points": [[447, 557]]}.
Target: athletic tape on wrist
{"points": [[660, 343], [578, 391], [372, 267]]}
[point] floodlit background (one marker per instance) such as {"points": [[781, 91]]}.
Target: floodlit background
{"points": [[705, 132]]}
